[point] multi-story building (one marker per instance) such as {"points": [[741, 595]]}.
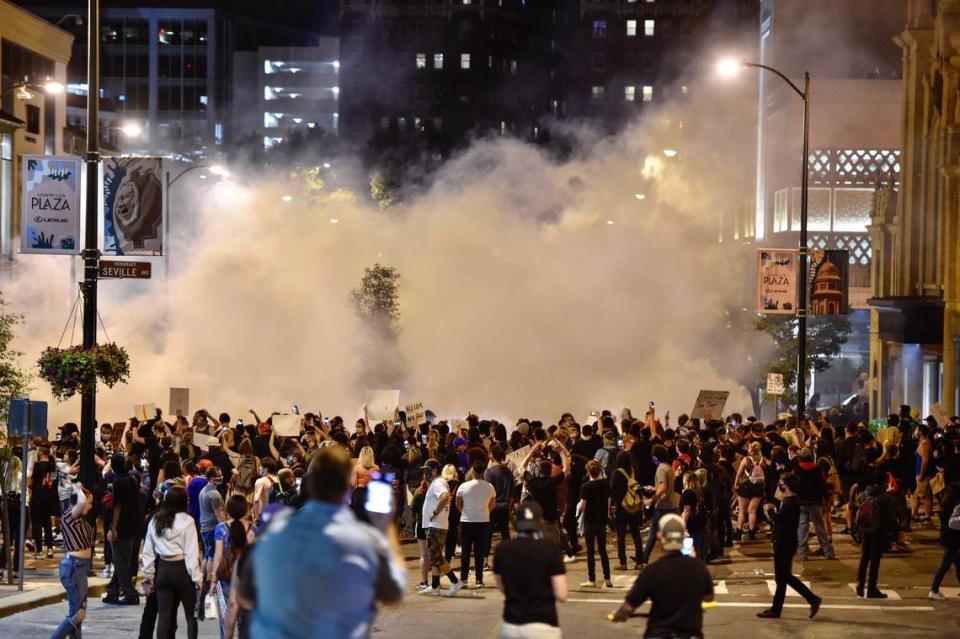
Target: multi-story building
{"points": [[295, 88], [166, 67], [32, 121], [915, 314], [855, 113]]}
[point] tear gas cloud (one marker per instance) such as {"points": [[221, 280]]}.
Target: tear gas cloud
{"points": [[529, 286]]}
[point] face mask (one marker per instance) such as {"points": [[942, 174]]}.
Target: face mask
{"points": [[656, 461], [104, 438]]}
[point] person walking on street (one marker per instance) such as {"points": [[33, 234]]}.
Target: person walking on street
{"points": [[949, 538], [877, 520], [664, 500], [624, 520], [785, 522], [676, 585], [594, 507], [125, 527], [530, 572], [78, 537], [475, 499], [500, 477], [436, 510]]}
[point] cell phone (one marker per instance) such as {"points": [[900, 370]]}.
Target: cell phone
{"points": [[379, 497], [397, 424], [687, 548], [424, 439], [619, 443], [653, 404], [295, 409], [240, 422], [406, 445]]}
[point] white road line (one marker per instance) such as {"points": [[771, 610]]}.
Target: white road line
{"points": [[772, 588], [721, 588], [747, 604], [891, 594]]}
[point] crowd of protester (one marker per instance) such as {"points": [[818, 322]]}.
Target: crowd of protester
{"points": [[210, 510]]}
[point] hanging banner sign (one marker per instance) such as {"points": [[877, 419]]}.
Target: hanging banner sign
{"points": [[775, 385], [777, 281], [50, 211], [133, 206], [829, 282]]}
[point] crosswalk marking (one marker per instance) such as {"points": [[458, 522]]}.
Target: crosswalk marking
{"points": [[772, 588], [891, 594], [950, 592], [721, 588], [751, 604]]}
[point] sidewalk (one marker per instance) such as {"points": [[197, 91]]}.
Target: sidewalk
{"points": [[41, 586]]}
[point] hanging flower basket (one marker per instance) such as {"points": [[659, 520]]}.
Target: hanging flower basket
{"points": [[70, 370]]}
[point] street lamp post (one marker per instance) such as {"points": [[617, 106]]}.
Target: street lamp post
{"points": [[91, 254], [728, 68]]}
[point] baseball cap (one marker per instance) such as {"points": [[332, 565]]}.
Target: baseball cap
{"points": [[673, 530], [529, 515], [432, 464]]}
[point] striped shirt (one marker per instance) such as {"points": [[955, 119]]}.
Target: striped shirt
{"points": [[77, 532]]}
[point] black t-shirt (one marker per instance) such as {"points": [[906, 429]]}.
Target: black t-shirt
{"points": [[525, 566], [261, 446], [44, 482], [126, 495], [543, 490], [676, 586], [597, 495]]}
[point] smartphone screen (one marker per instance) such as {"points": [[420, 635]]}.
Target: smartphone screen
{"points": [[406, 444], [424, 439], [379, 497], [687, 548], [620, 443], [295, 410]]}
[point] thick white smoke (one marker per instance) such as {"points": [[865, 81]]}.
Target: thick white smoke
{"points": [[529, 286]]}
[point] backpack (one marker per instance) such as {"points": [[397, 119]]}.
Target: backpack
{"points": [[280, 496], [246, 475], [868, 515], [607, 460], [756, 473], [632, 502]]}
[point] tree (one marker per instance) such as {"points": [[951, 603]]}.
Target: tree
{"points": [[14, 382], [826, 335], [376, 303]]}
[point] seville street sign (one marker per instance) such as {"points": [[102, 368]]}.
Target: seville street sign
{"points": [[121, 269]]}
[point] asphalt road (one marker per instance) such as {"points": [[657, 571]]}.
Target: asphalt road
{"points": [[475, 614]]}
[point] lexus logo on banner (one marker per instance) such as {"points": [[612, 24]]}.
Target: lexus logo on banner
{"points": [[133, 206]]}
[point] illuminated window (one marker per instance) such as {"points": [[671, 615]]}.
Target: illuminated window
{"points": [[630, 93], [599, 28], [464, 60], [597, 92], [631, 28], [648, 27], [437, 60], [647, 93], [421, 60]]}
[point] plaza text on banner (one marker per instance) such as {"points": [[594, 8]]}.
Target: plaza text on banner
{"points": [[50, 209]]}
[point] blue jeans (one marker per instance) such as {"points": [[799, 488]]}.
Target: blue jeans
{"points": [[654, 528], [73, 576], [813, 514]]}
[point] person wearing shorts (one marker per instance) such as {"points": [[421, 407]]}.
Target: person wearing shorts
{"points": [[435, 518]]}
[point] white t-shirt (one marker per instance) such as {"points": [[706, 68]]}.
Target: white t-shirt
{"points": [[438, 488], [476, 495], [64, 485]]}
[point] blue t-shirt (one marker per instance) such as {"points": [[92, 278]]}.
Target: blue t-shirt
{"points": [[193, 496]]}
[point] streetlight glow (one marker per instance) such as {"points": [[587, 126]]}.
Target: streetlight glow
{"points": [[640, 196], [670, 153], [54, 87], [131, 130], [218, 169], [729, 67], [287, 198]]}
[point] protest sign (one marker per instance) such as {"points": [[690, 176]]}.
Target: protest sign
{"points": [[516, 458], [939, 413], [203, 442], [775, 385], [180, 401], [50, 209], [286, 425], [381, 404], [133, 206], [145, 412], [416, 414], [777, 281], [710, 405]]}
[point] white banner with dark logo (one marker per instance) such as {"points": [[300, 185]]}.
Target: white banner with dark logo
{"points": [[777, 281], [50, 213], [133, 206]]}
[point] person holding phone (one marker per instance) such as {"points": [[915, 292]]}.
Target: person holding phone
{"points": [[786, 523]]}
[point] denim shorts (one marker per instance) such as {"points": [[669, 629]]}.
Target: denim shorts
{"points": [[209, 545]]}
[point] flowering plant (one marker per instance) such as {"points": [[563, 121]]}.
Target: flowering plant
{"points": [[71, 370]]}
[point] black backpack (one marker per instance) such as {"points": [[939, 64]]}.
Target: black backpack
{"points": [[285, 497]]}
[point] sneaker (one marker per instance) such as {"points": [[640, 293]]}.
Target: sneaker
{"points": [[422, 586], [608, 584], [768, 614], [455, 588], [430, 591], [112, 600], [130, 601], [936, 595], [815, 607], [876, 594], [479, 585], [106, 573], [589, 584], [569, 559], [49, 553], [37, 555]]}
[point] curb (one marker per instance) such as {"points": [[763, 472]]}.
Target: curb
{"points": [[43, 596]]}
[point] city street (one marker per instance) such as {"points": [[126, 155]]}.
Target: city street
{"points": [[475, 614]]}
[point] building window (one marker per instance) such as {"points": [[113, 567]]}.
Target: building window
{"points": [[630, 93], [596, 92], [437, 60], [464, 60], [648, 27], [631, 28], [599, 28], [647, 93], [421, 60]]}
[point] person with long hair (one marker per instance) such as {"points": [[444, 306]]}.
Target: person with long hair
{"points": [[420, 533], [949, 539], [78, 537], [232, 536], [247, 472], [171, 562], [750, 480], [362, 474]]}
